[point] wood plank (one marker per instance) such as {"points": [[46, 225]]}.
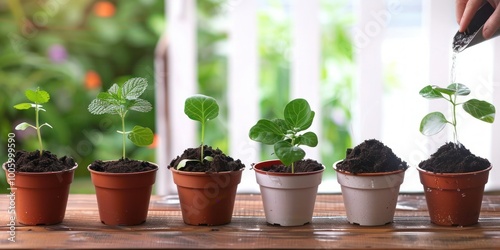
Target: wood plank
{"points": [[165, 229]]}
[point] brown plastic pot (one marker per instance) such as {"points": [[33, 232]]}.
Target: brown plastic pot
{"points": [[40, 197], [207, 199], [454, 199], [123, 198]]}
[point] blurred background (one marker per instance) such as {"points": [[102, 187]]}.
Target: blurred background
{"points": [[76, 49]]}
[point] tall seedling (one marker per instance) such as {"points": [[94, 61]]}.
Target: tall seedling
{"points": [[434, 122], [38, 97], [119, 101]]}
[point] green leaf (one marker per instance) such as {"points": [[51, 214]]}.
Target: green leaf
{"points": [[133, 88], [115, 90], [267, 132], [23, 126], [201, 108], [37, 96], [430, 92], [46, 124], [433, 123], [287, 153], [481, 110], [99, 107], [459, 89], [183, 162], [22, 106], [140, 105], [309, 139], [141, 136], [445, 91], [282, 124], [298, 114]]}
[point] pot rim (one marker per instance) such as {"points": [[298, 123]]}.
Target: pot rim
{"points": [[334, 166], [124, 174], [41, 173], [203, 173], [260, 171], [423, 171]]}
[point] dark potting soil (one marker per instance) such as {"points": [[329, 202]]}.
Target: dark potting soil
{"points": [[122, 166], [371, 156], [454, 158], [301, 166], [47, 162], [220, 163]]}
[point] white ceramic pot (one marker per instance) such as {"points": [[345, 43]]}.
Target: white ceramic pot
{"points": [[288, 198], [370, 198]]}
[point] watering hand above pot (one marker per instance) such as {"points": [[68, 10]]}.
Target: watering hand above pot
{"points": [[466, 9]]}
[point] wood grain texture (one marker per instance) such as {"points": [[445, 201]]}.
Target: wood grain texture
{"points": [[164, 228]]}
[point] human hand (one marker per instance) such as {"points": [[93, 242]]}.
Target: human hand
{"points": [[465, 10]]}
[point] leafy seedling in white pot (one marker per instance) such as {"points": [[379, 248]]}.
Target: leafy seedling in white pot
{"points": [[290, 172]]}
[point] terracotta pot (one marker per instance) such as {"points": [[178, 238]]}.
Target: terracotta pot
{"points": [[370, 198], [40, 197], [123, 198], [207, 199], [288, 198], [454, 199]]}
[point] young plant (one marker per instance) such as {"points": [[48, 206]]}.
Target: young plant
{"points": [[200, 108], [434, 122], [119, 101], [38, 97], [284, 133]]}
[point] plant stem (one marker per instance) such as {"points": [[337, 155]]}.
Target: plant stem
{"points": [[123, 134], [454, 118], [202, 137], [37, 109], [293, 163]]}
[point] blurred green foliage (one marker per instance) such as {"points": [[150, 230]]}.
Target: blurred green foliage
{"points": [[75, 49]]}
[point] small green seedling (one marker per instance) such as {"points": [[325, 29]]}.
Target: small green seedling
{"points": [[38, 97], [200, 108], [434, 122], [284, 133], [119, 101]]}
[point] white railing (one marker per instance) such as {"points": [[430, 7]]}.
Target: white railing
{"points": [[176, 80]]}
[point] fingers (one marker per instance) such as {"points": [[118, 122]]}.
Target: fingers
{"points": [[470, 9], [492, 24], [459, 10]]}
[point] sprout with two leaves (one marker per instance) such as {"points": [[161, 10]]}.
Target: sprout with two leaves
{"points": [[200, 108], [119, 101], [38, 97], [434, 122]]}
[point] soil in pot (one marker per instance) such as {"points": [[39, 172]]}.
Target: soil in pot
{"points": [[302, 166], [207, 189], [122, 166], [371, 156], [47, 162], [454, 158], [220, 163]]}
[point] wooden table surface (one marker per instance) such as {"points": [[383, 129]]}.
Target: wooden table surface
{"points": [[164, 228]]}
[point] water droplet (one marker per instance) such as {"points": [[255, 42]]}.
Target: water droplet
{"points": [[429, 190], [463, 195], [458, 189]]}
